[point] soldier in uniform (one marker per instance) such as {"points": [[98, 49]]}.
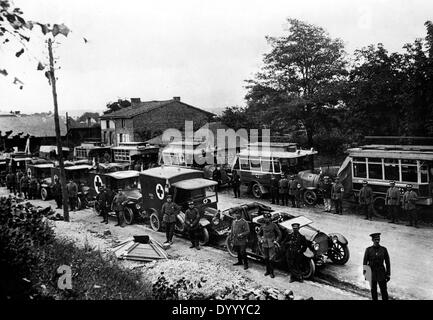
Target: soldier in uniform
{"points": [[292, 184], [298, 195], [337, 196], [103, 202], [72, 189], [217, 176], [375, 257], [283, 185], [296, 245], [239, 233], [236, 184], [118, 206], [274, 190], [409, 205], [192, 223], [57, 193], [19, 175], [169, 212], [392, 200], [33, 188], [24, 185], [326, 187], [366, 200], [270, 235], [11, 182]]}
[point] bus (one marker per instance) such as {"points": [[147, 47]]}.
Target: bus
{"points": [[136, 153], [379, 164], [258, 162]]}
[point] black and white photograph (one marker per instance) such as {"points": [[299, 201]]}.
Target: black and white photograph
{"points": [[227, 152]]}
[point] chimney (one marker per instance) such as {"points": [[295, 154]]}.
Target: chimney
{"points": [[176, 99], [135, 102]]}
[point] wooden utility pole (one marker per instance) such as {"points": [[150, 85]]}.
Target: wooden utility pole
{"points": [[58, 136]]}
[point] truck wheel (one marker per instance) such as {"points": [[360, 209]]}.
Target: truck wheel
{"points": [[129, 215], [204, 237], [379, 206], [310, 197], [154, 222], [44, 194], [256, 191], [339, 253]]}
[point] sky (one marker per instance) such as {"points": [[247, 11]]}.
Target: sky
{"points": [[199, 50]]}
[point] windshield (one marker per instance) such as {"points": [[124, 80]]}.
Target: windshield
{"points": [[127, 184], [196, 195]]}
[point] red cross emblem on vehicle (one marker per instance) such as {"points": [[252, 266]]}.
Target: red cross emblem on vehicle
{"points": [[159, 191], [97, 183]]}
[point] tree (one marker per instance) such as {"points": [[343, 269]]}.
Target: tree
{"points": [[117, 105], [86, 115], [301, 78]]}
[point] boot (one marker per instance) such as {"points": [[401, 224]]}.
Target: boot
{"points": [[239, 263], [268, 272], [291, 279], [271, 269], [245, 265]]}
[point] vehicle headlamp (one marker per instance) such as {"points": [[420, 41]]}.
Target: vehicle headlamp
{"points": [[137, 206], [334, 239], [316, 246], [215, 220]]}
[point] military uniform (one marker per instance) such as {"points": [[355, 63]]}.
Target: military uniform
{"points": [[72, 190], [375, 257], [24, 185], [192, 223], [366, 201], [274, 190], [392, 200], [57, 194], [169, 212], [326, 189], [239, 233], [283, 186], [296, 245], [33, 188], [337, 196], [292, 191], [103, 202], [11, 182], [410, 198], [236, 184], [298, 196], [270, 234], [119, 202]]}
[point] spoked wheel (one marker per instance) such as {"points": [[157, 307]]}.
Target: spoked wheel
{"points": [[129, 216], [44, 194], [204, 237], [339, 253], [230, 247], [310, 197], [256, 191], [154, 222]]}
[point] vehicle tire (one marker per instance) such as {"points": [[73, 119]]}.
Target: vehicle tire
{"points": [[154, 222], [128, 215], [379, 207], [96, 208], [204, 237], [310, 197], [256, 191], [308, 267], [339, 253], [180, 223], [44, 194], [230, 248]]}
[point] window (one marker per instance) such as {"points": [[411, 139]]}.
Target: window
{"points": [[244, 164], [277, 168], [375, 171], [123, 123], [108, 124], [424, 174], [255, 164], [120, 137], [392, 169], [266, 166], [409, 173], [121, 155], [359, 170], [81, 153]]}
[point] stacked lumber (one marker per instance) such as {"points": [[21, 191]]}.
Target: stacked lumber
{"points": [[136, 249]]}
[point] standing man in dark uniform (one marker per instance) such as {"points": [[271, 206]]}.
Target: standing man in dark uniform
{"points": [[292, 186], [57, 193], [366, 200], [410, 198], [283, 185], [72, 190], [296, 245], [236, 184], [337, 196], [118, 205], [274, 190], [103, 203], [217, 176], [19, 175], [169, 212], [392, 200], [375, 257], [192, 223], [24, 185], [33, 188], [270, 235], [239, 233], [11, 182], [326, 189]]}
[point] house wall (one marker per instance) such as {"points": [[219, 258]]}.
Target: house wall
{"points": [[174, 115]]}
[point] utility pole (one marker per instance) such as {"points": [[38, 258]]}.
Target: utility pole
{"points": [[58, 136]]}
